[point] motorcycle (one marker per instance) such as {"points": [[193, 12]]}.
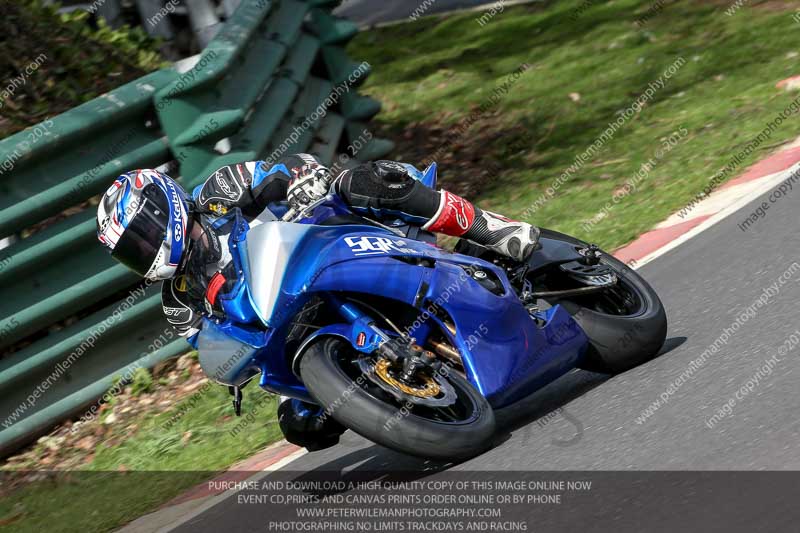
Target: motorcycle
{"points": [[410, 345]]}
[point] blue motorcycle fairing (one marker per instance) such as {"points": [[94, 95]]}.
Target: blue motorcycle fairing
{"points": [[226, 353], [237, 303], [290, 257], [348, 332], [300, 246], [283, 265], [427, 177], [499, 342]]}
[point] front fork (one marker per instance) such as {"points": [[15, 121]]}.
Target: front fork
{"points": [[402, 369], [365, 336], [360, 331]]}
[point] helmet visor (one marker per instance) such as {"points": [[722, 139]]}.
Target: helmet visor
{"points": [[142, 239]]}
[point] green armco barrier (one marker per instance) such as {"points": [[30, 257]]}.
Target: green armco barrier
{"points": [[60, 163], [54, 281], [275, 80], [267, 69]]}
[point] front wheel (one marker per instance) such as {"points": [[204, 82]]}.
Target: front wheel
{"points": [[331, 372]]}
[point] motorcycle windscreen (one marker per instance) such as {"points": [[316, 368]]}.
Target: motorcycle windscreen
{"points": [[270, 247]]}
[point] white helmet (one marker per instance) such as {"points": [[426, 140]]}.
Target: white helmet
{"points": [[143, 219]]}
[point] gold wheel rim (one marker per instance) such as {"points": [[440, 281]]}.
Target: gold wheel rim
{"points": [[430, 388]]}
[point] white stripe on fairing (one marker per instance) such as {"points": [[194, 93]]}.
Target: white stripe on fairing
{"points": [[438, 213], [270, 247]]}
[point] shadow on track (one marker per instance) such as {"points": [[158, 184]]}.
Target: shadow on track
{"points": [[551, 399], [377, 463]]}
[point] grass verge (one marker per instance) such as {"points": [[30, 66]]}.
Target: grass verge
{"points": [[442, 84], [161, 436]]}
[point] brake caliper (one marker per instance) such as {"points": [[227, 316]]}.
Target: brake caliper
{"points": [[409, 373]]}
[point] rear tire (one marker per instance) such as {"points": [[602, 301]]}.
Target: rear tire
{"points": [[621, 342], [378, 420], [618, 342]]}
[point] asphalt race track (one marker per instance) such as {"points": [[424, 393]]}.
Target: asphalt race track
{"points": [[588, 421], [705, 284]]}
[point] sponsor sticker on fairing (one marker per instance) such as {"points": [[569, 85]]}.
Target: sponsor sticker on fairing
{"points": [[370, 245]]}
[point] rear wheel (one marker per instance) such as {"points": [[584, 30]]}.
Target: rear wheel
{"points": [[626, 324], [331, 371]]}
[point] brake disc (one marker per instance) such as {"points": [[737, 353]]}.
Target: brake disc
{"points": [[435, 391]]}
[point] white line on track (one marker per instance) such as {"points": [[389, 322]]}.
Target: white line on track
{"points": [[174, 516], [765, 184]]}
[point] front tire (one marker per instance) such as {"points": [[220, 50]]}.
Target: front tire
{"points": [[331, 375]]}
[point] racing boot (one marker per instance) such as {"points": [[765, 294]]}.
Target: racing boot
{"points": [[458, 217]]}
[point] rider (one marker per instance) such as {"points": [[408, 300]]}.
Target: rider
{"points": [[145, 217]]}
